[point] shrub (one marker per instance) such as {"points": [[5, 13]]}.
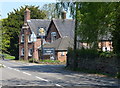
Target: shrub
{"points": [[106, 54], [84, 53], [32, 60]]}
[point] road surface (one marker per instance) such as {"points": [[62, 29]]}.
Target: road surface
{"points": [[27, 74]]}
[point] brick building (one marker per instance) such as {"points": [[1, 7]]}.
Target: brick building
{"points": [[30, 40], [59, 35]]}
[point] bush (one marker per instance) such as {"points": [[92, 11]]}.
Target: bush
{"points": [[106, 54], [32, 60], [50, 61], [84, 53], [118, 75]]}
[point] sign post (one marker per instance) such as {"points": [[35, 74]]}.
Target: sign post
{"points": [[42, 34]]}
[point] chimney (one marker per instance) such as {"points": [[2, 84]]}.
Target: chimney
{"points": [[63, 15], [26, 15]]}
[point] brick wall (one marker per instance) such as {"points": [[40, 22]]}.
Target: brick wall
{"points": [[61, 56], [36, 45]]}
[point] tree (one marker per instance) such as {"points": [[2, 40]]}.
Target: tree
{"points": [[5, 38], [13, 24], [73, 7], [50, 10], [116, 31], [95, 21]]}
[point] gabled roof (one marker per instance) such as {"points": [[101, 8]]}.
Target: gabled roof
{"points": [[61, 43], [35, 24], [65, 27]]}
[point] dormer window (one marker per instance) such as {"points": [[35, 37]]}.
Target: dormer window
{"points": [[22, 38], [53, 36]]}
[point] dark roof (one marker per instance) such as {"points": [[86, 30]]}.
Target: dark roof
{"points": [[61, 43], [65, 27], [35, 24]]}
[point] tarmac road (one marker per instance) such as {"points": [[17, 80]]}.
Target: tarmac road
{"points": [[16, 73]]}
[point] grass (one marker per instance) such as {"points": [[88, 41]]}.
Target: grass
{"points": [[7, 56], [48, 61]]}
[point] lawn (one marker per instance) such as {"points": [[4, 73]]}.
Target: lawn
{"points": [[7, 56]]}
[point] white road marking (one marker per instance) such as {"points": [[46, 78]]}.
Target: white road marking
{"points": [[41, 79], [70, 76], [26, 73], [4, 66], [10, 68], [57, 85], [17, 70]]}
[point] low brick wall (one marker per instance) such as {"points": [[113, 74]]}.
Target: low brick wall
{"points": [[103, 65]]}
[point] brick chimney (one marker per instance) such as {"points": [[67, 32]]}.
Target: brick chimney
{"points": [[63, 15], [26, 15]]}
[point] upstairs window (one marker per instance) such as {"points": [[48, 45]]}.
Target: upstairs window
{"points": [[53, 36], [22, 38], [22, 52], [30, 52]]}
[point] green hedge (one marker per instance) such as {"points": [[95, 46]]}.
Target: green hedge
{"points": [[84, 53]]}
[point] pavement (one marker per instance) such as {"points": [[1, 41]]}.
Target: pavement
{"points": [[22, 75]]}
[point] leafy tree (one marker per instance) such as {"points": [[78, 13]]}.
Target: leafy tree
{"points": [[73, 7], [5, 38], [13, 24], [50, 10], [95, 22], [116, 31]]}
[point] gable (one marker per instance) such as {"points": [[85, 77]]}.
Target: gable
{"points": [[65, 27], [52, 28], [36, 24]]}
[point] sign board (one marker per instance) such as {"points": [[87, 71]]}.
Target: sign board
{"points": [[48, 51]]}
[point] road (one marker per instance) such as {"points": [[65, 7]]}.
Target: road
{"points": [[16, 73]]}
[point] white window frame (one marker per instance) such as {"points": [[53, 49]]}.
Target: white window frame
{"points": [[22, 38], [22, 52], [30, 52]]}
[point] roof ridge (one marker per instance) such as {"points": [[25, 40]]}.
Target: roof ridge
{"points": [[57, 28]]}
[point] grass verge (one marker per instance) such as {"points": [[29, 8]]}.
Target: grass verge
{"points": [[7, 56]]}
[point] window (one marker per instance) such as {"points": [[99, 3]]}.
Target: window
{"points": [[53, 36], [22, 38], [30, 52], [22, 51], [62, 54], [29, 38]]}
